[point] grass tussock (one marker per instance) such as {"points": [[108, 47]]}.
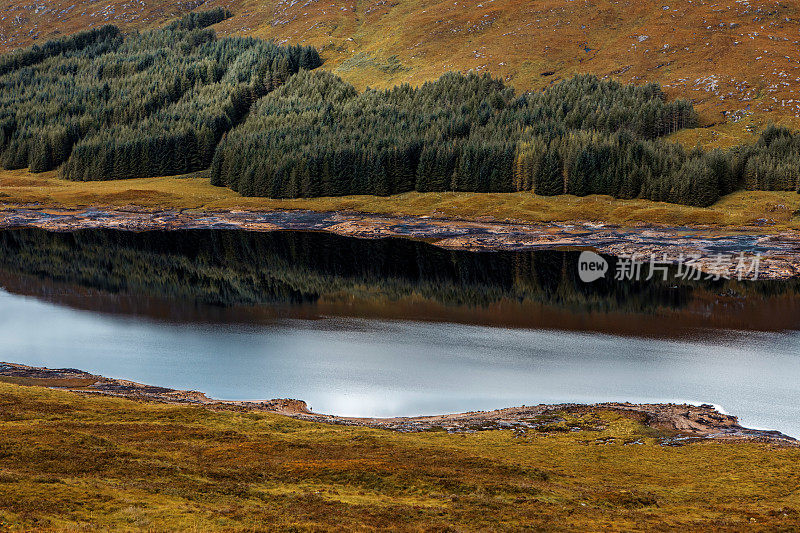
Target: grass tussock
{"points": [[72, 461]]}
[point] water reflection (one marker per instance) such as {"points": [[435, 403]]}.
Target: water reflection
{"points": [[381, 368], [236, 276]]}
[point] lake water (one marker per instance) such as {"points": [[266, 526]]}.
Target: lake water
{"points": [[329, 320]]}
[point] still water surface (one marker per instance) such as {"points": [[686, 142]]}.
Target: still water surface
{"points": [[64, 306]]}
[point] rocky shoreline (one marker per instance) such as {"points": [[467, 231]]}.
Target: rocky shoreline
{"points": [[678, 423], [779, 253]]}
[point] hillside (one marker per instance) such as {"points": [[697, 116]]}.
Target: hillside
{"points": [[729, 57], [117, 103], [73, 461]]}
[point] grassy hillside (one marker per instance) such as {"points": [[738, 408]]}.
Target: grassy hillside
{"points": [[728, 56], [69, 461], [383, 44]]}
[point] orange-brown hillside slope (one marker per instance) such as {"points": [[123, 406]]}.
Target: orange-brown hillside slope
{"points": [[730, 56]]}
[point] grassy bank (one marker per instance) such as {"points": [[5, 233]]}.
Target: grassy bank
{"points": [[68, 460], [771, 210]]}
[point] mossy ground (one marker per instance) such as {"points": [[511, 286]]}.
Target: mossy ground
{"points": [[74, 461], [770, 211]]}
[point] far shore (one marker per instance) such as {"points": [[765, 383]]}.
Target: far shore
{"points": [[765, 212], [779, 253]]}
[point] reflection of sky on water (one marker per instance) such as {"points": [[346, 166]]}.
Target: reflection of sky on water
{"points": [[362, 367]]}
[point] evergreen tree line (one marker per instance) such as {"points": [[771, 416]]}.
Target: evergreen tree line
{"points": [[30, 56], [200, 19], [144, 104], [623, 166], [773, 163], [316, 136]]}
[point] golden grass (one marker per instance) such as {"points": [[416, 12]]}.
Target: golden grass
{"points": [[730, 134], [73, 461], [778, 209], [723, 136]]}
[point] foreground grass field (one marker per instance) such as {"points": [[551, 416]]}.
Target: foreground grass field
{"points": [[71, 461], [772, 211]]}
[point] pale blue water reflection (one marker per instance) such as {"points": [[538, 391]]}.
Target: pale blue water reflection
{"points": [[381, 368]]}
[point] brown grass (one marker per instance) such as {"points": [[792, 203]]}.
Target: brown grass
{"points": [[772, 211], [71, 461]]}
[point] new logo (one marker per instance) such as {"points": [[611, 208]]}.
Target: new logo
{"points": [[591, 267]]}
